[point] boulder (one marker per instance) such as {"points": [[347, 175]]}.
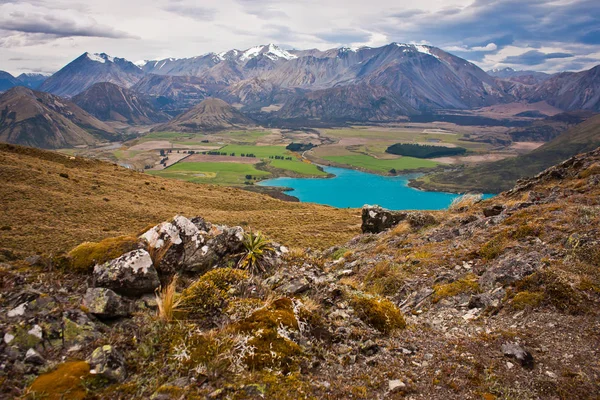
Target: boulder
{"points": [[104, 303], [108, 362], [419, 220], [519, 353], [131, 274], [510, 268], [376, 219], [494, 210]]}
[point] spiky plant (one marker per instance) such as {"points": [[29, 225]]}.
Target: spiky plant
{"points": [[255, 245], [167, 301]]}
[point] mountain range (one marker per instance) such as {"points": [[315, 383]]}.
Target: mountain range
{"points": [[349, 84]]}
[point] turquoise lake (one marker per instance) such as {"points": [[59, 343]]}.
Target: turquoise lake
{"points": [[350, 188]]}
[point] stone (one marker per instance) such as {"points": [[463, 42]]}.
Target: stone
{"points": [[419, 220], [33, 357], [105, 303], [493, 210], [77, 328], [369, 348], [376, 219], [295, 286], [510, 268], [517, 352], [132, 274], [108, 362], [396, 385], [35, 260]]}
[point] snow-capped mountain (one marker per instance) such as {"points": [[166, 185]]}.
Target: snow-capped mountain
{"points": [[88, 69]]}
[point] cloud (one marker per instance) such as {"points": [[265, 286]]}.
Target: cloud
{"points": [[263, 9], [487, 48], [534, 57], [184, 9], [344, 36], [29, 19]]}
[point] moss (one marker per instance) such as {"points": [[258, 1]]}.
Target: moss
{"points": [[339, 253], [494, 247], [378, 312], [279, 313], [242, 308], [65, 382], [556, 291], [527, 299], [83, 257], [385, 279], [525, 230], [467, 284], [209, 294]]}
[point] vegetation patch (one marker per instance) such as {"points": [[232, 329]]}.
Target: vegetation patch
{"points": [[527, 299], [494, 247], [378, 312], [65, 382], [424, 150], [555, 291], [467, 284], [385, 279], [86, 255], [381, 165]]}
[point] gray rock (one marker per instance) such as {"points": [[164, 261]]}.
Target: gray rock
{"points": [[105, 303], [396, 385], [419, 220], [131, 274], [108, 362], [517, 352], [376, 219], [494, 210], [295, 286], [510, 268], [33, 357]]}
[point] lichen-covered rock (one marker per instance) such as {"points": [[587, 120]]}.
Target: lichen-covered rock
{"points": [[510, 268], [519, 353], [419, 220], [131, 274], [105, 303], [108, 362], [376, 219], [77, 329], [493, 210]]}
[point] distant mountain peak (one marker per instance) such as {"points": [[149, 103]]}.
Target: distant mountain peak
{"points": [[270, 50]]}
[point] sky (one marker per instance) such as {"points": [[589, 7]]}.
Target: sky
{"points": [[541, 35]]}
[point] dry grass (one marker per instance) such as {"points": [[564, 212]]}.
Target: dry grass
{"points": [[167, 301], [43, 211], [465, 202]]}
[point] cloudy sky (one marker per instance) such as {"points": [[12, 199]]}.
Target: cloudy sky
{"points": [[543, 35]]}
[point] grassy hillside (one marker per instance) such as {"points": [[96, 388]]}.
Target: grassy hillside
{"points": [[501, 175], [51, 201]]}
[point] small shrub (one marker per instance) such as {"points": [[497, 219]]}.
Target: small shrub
{"points": [[468, 284], [83, 257], [339, 253], [378, 312], [256, 244], [556, 291], [385, 279], [209, 294]]}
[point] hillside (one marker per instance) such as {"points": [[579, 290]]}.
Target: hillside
{"points": [[550, 127], [495, 299], [209, 115], [501, 175], [95, 199], [88, 69], [109, 102], [8, 81], [43, 120]]}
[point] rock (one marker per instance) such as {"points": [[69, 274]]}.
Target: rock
{"points": [[376, 219], [487, 299], [396, 385], [105, 303], [108, 362], [510, 268], [131, 274], [33, 357], [494, 210], [515, 351], [295, 286], [369, 348], [77, 328], [419, 220], [35, 260]]}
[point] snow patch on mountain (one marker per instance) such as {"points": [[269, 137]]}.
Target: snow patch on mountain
{"points": [[95, 57]]}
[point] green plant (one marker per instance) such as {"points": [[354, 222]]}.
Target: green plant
{"points": [[83, 257], [256, 245]]}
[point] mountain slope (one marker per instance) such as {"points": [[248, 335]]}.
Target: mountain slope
{"points": [[210, 115], [501, 175], [109, 102], [32, 80], [43, 120], [8, 81], [88, 69], [571, 90]]}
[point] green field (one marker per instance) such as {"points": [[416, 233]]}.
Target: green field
{"points": [[218, 173], [263, 152], [374, 164], [298, 167]]}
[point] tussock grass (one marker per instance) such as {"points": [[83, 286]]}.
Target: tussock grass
{"points": [[167, 300]]}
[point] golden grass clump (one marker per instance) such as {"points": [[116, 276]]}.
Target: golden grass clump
{"points": [[167, 301], [83, 257], [386, 279], [378, 312], [494, 247], [527, 299], [464, 202], [468, 284]]}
